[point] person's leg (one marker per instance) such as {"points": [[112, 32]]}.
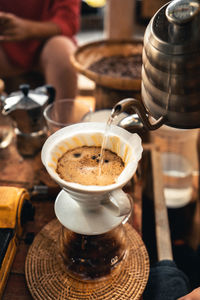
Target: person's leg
{"points": [[57, 68]]}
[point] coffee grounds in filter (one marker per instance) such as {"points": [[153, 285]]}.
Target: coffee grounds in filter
{"points": [[81, 165]]}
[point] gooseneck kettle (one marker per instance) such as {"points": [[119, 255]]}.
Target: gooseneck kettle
{"points": [[170, 85]]}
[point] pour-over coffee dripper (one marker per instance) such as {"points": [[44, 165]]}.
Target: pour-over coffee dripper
{"points": [[92, 215]]}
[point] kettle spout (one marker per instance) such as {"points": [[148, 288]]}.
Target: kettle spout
{"points": [[140, 121], [6, 107], [6, 110], [122, 106]]}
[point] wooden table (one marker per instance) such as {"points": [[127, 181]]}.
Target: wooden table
{"points": [[25, 172], [28, 172]]}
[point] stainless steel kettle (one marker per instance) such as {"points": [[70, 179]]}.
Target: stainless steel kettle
{"points": [[171, 69], [25, 107]]}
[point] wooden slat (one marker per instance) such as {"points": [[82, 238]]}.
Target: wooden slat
{"points": [[163, 238], [116, 26]]}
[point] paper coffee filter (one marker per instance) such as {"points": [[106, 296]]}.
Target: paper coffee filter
{"points": [[133, 157], [127, 146]]}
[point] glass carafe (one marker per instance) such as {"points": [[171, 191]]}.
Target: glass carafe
{"points": [[92, 257]]}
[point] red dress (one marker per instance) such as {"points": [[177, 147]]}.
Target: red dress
{"points": [[65, 13]]}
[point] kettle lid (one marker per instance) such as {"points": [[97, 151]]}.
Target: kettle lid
{"points": [[182, 11], [174, 29], [25, 99]]}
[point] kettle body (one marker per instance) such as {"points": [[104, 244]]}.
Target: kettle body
{"points": [[171, 64], [25, 107]]}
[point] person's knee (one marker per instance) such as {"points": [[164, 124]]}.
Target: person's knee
{"points": [[56, 66], [57, 51]]}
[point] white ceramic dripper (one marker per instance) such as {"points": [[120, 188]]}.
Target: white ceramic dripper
{"points": [[92, 209]]}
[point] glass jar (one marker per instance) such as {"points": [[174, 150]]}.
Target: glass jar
{"points": [[92, 257]]}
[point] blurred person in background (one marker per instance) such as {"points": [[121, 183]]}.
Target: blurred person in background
{"points": [[39, 35]]}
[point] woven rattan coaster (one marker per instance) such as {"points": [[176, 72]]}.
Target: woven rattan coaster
{"points": [[47, 279]]}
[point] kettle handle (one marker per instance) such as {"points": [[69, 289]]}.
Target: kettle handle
{"points": [[118, 203], [51, 92]]}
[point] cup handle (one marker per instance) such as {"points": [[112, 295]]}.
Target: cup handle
{"points": [[118, 203]]}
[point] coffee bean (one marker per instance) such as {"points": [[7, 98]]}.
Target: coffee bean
{"points": [[119, 66], [77, 154]]}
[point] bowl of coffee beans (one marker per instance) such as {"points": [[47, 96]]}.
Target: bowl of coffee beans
{"points": [[114, 64]]}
